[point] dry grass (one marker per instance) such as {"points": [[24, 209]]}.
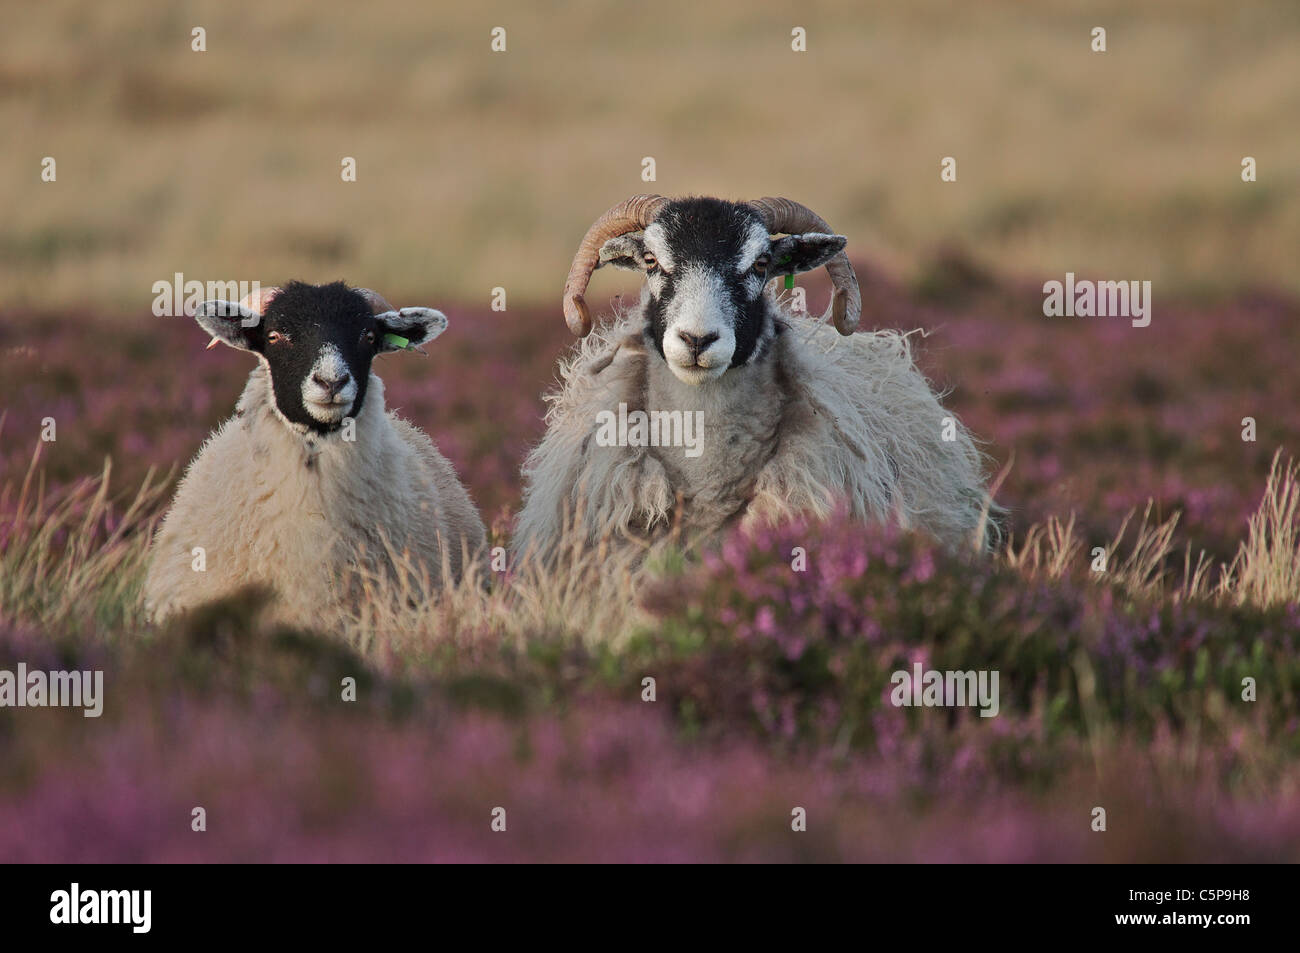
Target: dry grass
{"points": [[401, 616], [74, 561], [1264, 572], [70, 560]]}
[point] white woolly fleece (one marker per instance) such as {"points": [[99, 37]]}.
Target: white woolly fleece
{"points": [[297, 513], [823, 421]]}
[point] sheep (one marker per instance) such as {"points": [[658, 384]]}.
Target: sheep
{"points": [[312, 479], [790, 420]]}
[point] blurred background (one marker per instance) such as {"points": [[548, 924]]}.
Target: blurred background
{"points": [[478, 169]]}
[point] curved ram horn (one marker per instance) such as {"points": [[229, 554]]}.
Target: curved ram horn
{"points": [[783, 216], [631, 215]]}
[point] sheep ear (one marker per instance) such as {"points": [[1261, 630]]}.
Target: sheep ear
{"points": [[409, 328], [229, 322], [793, 254], [623, 251]]}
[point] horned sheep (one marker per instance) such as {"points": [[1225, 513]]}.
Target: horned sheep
{"points": [[312, 480], [793, 420]]}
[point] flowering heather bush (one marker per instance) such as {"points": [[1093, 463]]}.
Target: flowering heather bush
{"points": [[247, 725], [1100, 420], [807, 655]]}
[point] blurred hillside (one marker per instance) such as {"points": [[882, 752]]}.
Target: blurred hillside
{"points": [[478, 169]]}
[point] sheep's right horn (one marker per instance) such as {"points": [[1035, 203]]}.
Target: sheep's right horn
{"points": [[376, 301], [790, 218], [631, 215]]}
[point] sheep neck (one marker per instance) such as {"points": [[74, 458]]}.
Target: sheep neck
{"points": [[274, 438], [741, 414]]}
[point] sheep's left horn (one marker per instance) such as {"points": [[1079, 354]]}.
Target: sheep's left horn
{"points": [[783, 216], [258, 300], [376, 301], [631, 215]]}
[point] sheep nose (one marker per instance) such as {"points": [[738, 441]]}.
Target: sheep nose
{"points": [[698, 343], [332, 386]]}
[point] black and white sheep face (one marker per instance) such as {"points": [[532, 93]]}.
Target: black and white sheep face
{"points": [[706, 262], [317, 342]]}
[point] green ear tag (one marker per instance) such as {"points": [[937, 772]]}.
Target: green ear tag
{"points": [[789, 279], [396, 341]]}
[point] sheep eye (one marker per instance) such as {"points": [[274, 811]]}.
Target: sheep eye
{"points": [[275, 337], [651, 263], [760, 266]]}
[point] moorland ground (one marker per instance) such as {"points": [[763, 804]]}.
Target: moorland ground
{"points": [[1122, 690]]}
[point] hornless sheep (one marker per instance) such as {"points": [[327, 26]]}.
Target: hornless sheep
{"points": [[711, 403], [311, 479]]}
